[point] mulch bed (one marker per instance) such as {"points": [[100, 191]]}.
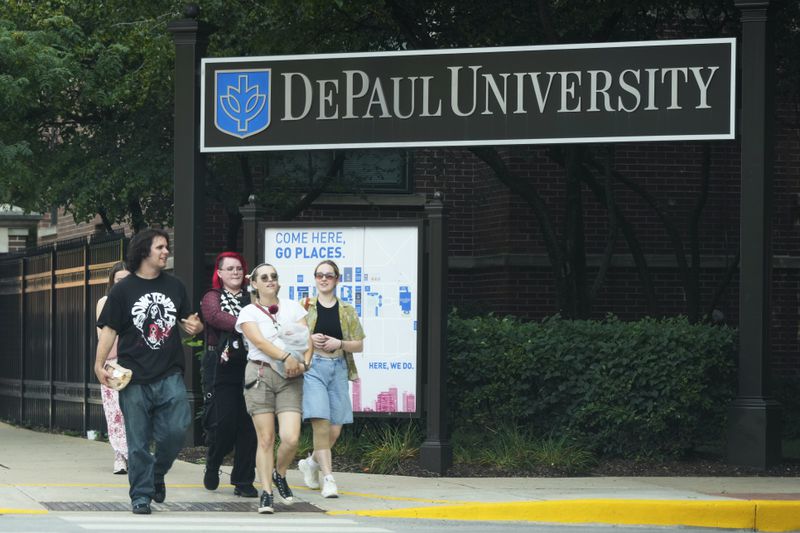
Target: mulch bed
{"points": [[695, 467]]}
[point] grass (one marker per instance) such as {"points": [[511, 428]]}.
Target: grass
{"points": [[391, 446], [511, 448], [348, 445], [508, 448], [380, 448], [563, 455]]}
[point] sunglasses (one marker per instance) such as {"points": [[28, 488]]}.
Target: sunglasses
{"points": [[327, 275], [232, 269], [267, 277]]}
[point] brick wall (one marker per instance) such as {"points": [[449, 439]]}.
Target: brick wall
{"points": [[66, 228]]}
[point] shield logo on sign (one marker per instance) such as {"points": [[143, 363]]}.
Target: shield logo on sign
{"points": [[241, 103]]}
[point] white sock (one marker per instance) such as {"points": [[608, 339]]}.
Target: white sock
{"points": [[311, 462]]}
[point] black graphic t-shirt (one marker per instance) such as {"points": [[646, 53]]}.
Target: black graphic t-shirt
{"points": [[145, 315]]}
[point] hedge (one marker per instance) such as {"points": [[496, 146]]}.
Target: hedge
{"points": [[650, 387]]}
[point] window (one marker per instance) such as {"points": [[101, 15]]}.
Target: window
{"points": [[363, 171]]}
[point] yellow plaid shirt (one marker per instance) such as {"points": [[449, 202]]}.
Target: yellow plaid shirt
{"points": [[351, 328]]}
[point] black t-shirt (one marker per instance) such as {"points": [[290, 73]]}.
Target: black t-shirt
{"points": [[328, 321], [145, 313]]}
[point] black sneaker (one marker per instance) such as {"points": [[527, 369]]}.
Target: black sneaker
{"points": [[211, 477], [245, 491], [160, 492], [283, 488], [265, 504], [141, 508]]}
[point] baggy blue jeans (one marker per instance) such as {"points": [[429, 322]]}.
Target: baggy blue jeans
{"points": [[156, 411]]}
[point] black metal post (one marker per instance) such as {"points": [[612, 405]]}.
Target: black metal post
{"points": [[191, 41], [252, 214], [22, 269], [88, 357], [436, 453], [53, 338], [754, 424]]}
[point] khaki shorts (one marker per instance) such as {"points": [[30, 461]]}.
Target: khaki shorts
{"points": [[272, 393]]}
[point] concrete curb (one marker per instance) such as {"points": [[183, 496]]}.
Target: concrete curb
{"points": [[758, 515], [3, 511]]}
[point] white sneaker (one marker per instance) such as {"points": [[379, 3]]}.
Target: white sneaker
{"points": [[120, 465], [329, 488], [310, 473]]}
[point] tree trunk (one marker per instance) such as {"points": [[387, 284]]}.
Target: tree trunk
{"points": [[669, 226], [574, 235], [633, 243], [613, 227], [693, 297], [333, 170], [138, 221], [529, 194], [107, 224]]}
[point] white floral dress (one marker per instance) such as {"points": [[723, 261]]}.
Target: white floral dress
{"points": [[115, 422]]}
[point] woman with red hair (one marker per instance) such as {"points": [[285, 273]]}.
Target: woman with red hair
{"points": [[227, 424]]}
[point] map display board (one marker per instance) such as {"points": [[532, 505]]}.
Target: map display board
{"points": [[379, 276]]}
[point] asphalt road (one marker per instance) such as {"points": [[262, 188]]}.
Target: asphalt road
{"points": [[120, 522]]}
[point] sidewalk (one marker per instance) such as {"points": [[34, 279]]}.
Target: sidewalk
{"points": [[37, 469]]}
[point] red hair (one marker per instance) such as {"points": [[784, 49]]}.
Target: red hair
{"points": [[215, 282]]}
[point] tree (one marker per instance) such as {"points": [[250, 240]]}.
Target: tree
{"points": [[86, 109]]}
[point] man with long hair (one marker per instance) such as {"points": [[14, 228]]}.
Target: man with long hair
{"points": [[143, 310]]}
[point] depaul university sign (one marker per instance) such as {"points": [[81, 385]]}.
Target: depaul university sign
{"points": [[609, 92]]}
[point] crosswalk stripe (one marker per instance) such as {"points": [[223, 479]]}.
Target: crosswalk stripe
{"points": [[210, 520], [265, 524], [266, 527]]}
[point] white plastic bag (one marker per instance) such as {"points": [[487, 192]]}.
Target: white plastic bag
{"points": [[295, 339]]}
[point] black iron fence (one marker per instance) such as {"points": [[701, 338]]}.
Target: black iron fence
{"points": [[47, 320]]}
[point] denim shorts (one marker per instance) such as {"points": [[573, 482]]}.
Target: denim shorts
{"points": [[326, 393]]}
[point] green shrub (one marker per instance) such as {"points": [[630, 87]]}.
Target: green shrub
{"points": [[787, 391], [650, 387]]}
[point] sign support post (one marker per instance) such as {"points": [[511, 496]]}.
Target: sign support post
{"points": [[191, 41], [754, 420], [252, 214], [436, 453]]}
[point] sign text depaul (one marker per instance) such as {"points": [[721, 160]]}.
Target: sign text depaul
{"points": [[609, 92]]}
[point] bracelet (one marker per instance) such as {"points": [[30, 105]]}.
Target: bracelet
{"points": [[285, 357], [341, 345], [306, 365]]}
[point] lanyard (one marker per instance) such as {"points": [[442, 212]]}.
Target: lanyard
{"points": [[266, 312]]}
